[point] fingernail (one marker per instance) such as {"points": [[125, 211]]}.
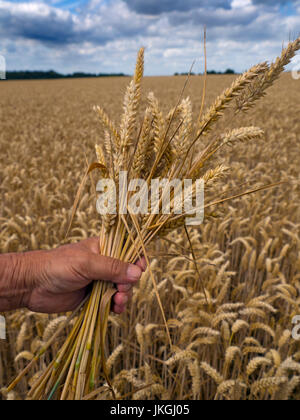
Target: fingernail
{"points": [[133, 273]]}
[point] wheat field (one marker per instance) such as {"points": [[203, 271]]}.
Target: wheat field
{"points": [[238, 344]]}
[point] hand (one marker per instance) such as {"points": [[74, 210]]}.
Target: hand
{"points": [[60, 277]]}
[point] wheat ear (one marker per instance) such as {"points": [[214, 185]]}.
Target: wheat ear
{"points": [[257, 89], [223, 101]]}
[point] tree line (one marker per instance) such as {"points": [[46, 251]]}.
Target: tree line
{"points": [[228, 71], [51, 74]]}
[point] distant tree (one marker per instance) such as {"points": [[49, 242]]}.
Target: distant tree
{"points": [[184, 74], [229, 71]]}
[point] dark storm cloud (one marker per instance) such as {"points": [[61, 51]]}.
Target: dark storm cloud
{"points": [[156, 7]]}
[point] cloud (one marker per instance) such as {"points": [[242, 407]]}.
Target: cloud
{"points": [[156, 7], [240, 3], [54, 27], [273, 2], [36, 21], [215, 18], [104, 35]]}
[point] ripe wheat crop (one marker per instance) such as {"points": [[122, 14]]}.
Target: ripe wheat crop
{"points": [[229, 289]]}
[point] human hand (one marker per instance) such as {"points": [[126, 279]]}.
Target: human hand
{"points": [[57, 280]]}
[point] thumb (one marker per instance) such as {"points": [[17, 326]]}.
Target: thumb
{"points": [[99, 267]]}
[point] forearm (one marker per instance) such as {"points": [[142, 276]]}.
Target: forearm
{"points": [[16, 279]]}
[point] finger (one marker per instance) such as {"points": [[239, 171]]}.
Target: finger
{"points": [[99, 267], [124, 288], [118, 309], [142, 263], [121, 299]]}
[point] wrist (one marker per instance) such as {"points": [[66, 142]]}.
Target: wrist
{"points": [[19, 275]]}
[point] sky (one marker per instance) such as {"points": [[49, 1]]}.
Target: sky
{"points": [[103, 36]]}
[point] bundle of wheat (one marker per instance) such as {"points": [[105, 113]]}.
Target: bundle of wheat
{"points": [[161, 147]]}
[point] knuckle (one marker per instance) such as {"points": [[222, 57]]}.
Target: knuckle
{"points": [[81, 265], [92, 244], [81, 261], [116, 268]]}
